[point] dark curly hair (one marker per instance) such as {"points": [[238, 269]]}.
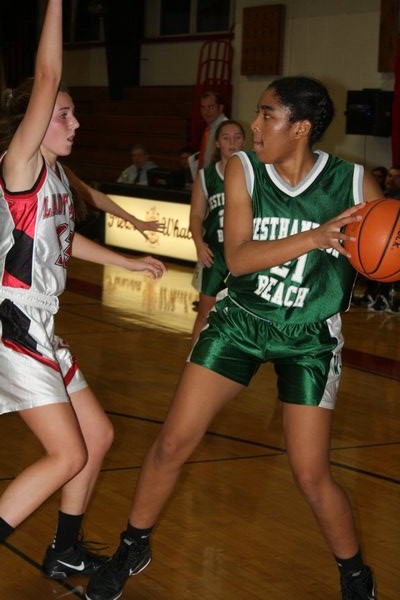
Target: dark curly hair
{"points": [[306, 99]]}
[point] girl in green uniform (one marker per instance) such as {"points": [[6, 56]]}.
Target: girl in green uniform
{"points": [[206, 219], [286, 207]]}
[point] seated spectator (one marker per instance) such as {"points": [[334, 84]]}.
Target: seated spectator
{"points": [[380, 175], [136, 173]]}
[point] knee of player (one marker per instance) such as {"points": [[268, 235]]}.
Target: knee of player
{"points": [[170, 449], [310, 483], [72, 460], [98, 445], [106, 436]]}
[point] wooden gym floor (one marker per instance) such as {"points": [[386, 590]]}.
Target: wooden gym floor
{"points": [[236, 527]]}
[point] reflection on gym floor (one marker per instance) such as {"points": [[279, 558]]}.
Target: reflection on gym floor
{"points": [[166, 304]]}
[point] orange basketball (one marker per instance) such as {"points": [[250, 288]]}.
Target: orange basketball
{"points": [[375, 253]]}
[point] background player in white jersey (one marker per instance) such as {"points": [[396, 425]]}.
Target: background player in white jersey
{"points": [[39, 377], [286, 207], [206, 219]]}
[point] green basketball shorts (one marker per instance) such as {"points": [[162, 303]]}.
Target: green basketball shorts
{"points": [[306, 357]]}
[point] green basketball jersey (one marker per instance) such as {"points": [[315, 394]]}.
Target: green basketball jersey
{"points": [[318, 284], [212, 182]]}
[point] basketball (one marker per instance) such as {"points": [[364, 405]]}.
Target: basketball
{"points": [[375, 253]]}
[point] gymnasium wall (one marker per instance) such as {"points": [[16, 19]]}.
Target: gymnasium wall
{"points": [[334, 40]]}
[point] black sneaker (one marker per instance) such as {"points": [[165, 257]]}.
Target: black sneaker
{"points": [[77, 560], [130, 558], [359, 586]]}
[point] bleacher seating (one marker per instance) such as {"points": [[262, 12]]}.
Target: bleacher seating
{"points": [[156, 116]]}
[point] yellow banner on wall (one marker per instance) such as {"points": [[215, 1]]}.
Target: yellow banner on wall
{"points": [[175, 240]]}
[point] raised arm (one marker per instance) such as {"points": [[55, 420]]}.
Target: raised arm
{"points": [[23, 161]]}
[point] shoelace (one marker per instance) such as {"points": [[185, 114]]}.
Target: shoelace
{"points": [[91, 547]]}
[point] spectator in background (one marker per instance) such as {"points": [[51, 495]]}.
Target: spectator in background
{"points": [[212, 111], [136, 173], [392, 182], [380, 175]]}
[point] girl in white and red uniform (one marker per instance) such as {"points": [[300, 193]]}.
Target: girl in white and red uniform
{"points": [[39, 377]]}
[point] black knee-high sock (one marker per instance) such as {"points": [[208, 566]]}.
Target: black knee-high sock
{"points": [[5, 529], [350, 565], [67, 532]]}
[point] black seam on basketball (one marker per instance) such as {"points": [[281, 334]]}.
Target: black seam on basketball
{"points": [[387, 247]]}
